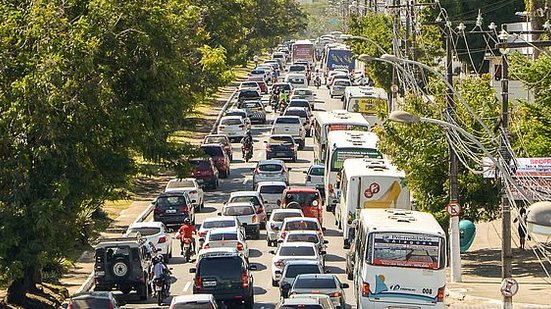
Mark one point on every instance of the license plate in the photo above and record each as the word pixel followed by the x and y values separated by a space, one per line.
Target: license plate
pixel 170 211
pixel 209 283
pixel 100 273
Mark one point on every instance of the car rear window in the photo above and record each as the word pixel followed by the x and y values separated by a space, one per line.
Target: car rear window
pixel 238 211
pixel 231 121
pixel 296 112
pixel 249 84
pixel 145 231
pixel 270 167
pixel 245 199
pixel 342 82
pixel 281 140
pixel 317 171
pixel 280 216
pixel 249 94
pixel 303 198
pixel 291 120
pixel 296 80
pixel 295 270
pixel 200 163
pixel 236 113
pixel 171 201
pixel 192 305
pixel 315 283
pixel 296 251
pixel 301 225
pixel 301 307
pixel 215 140
pixel 303 237
pixel 180 184
pixel 222 236
pixel 299 104
pixel 218 224
pixel 90 303
pixel 296 68
pixel 213 151
pixel 220 267
pixel 272 189
pixel 258 72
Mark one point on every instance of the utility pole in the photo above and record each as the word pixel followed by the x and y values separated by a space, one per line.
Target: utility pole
pixel 395 48
pixel 455 253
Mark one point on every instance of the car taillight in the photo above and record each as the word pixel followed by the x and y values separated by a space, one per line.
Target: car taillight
pixel 157 210
pixel 202 234
pixel 193 192
pixel 206 246
pixel 260 210
pixel 221 127
pixel 441 293
pixel 282 234
pixel 198 282
pixel 241 126
pixel 254 219
pixel 278 263
pixel 330 188
pixel 184 209
pixel 240 246
pixel 244 280
pixel 162 239
pixel 365 289
pixel 336 294
pixel 110 306
pixel 257 171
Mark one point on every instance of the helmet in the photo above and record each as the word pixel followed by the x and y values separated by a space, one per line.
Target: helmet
pixel 187 221
pixel 156 260
pixel 249 132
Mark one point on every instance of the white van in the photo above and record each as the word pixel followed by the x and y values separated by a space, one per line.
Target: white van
pixel 297 80
pixel 368 183
pixel 400 260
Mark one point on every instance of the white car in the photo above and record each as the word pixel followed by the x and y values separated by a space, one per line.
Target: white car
pixel 301 103
pixel 157 233
pixel 337 87
pixel 233 126
pixel 292 251
pixel 216 223
pixel 302 113
pixel 246 214
pixel 272 194
pixel 300 224
pixel 314 176
pixel 270 170
pixel 194 301
pixel 298 80
pixel 250 84
pixel 306 236
pixel 229 237
pixel 255 199
pixel 275 221
pixel 332 75
pixel 290 125
pixel 240 113
pixel 189 185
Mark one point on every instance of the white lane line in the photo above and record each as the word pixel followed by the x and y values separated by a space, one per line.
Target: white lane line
pixel 187 286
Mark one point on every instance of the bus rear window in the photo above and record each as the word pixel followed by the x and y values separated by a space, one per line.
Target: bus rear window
pixel 341 154
pixel 406 250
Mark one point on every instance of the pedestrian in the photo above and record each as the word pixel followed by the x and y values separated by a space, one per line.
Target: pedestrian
pixel 521 226
pixel 255 59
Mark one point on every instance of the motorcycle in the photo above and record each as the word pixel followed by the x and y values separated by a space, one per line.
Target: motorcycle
pixel 274 102
pixel 317 82
pixel 247 153
pixel 282 107
pixel 161 290
pixel 186 249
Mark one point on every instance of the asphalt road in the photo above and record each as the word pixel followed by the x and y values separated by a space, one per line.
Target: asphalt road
pixel 240 179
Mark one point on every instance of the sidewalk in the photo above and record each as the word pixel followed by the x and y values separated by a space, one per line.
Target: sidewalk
pixel 481 274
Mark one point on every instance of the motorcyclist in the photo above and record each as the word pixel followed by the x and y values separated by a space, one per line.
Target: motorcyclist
pixel 317 78
pixel 247 142
pixel 186 231
pixel 161 272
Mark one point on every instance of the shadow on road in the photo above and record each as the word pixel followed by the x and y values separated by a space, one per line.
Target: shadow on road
pixel 254 253
pixel 334 258
pixel 486 263
pixel 332 233
pixel 334 270
pixel 259 290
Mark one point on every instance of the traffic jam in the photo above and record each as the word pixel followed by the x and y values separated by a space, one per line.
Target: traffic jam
pixel 292 205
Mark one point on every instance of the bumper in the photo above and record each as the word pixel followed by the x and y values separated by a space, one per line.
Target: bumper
pixel 281 154
pixel 171 220
pixel 233 134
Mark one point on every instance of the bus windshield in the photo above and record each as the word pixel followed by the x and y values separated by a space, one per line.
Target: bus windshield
pixel 339 155
pixel 405 250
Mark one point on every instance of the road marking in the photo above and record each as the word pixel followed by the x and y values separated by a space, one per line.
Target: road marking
pixel 247 178
pixel 187 286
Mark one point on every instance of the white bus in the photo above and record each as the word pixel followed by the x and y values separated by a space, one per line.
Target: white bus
pixel 400 260
pixel 336 120
pixel 342 145
pixel 368 183
pixel 365 100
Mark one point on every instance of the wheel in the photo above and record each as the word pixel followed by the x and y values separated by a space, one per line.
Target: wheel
pixel 160 297
pixel 262 225
pixel 274 282
pixel 294 159
pixel 143 291
pixel 125 289
pixel 249 304
pixel 349 275
pixel 166 258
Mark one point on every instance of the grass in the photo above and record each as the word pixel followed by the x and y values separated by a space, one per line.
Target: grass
pixel 114 208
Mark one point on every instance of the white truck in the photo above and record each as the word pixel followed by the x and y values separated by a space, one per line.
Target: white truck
pixel 365 184
pixel 290 125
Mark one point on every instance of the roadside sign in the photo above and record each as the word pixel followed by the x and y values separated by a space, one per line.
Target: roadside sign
pixel 453 209
pixel 509 287
pixel 394 88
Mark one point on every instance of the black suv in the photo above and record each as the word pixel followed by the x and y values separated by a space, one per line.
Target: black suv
pixel 248 94
pixel 123 264
pixel 172 208
pixel 225 275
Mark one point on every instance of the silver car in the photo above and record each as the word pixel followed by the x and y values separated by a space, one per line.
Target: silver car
pixel 270 170
pixel 271 192
pixel 274 223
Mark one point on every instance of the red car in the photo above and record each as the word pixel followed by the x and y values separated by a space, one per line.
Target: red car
pixel 261 82
pixel 205 172
pixel 220 158
pixel 308 199
pixel 221 139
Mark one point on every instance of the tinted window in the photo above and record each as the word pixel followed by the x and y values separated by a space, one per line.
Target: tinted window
pixel 236 113
pixel 146 231
pixel 223 236
pixel 238 211
pixel 250 105
pixel 281 140
pixel 300 113
pixel 317 171
pixel 220 267
pixel 215 140
pixel 287 120
pixel 249 94
pixel 180 184
pixel 315 283
pixel 272 189
pixel 342 82
pixel 231 121
pixel 301 225
pixel 168 201
pixel 295 270
pixel 296 68
pixel 303 237
pixel 299 104
pixel 303 198
pixel 249 84
pixel 213 151
pixel 200 164
pixel 279 217
pixel 297 80
pixel 257 72
pixel 297 251
pixel 270 167
pixel 193 305
pixel 218 224
pixel 246 199
pixel 90 303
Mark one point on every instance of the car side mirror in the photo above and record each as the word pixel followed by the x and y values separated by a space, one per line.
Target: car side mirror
pixel 279 241
pixel 192 270
pixel 253 267
pixel 344 285
pixel 326 241
pixel 219 213
pixel 159 250
pixel 272 252
pixel 305 172
pixel 324 229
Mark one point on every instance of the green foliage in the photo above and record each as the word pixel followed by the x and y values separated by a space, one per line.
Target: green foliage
pixel 421 150
pixel 531 123
pixel 322 19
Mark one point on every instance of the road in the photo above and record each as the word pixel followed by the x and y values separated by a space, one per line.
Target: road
pixel 240 179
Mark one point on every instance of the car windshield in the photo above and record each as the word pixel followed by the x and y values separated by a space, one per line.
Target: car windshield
pixel 171 201
pixel 281 140
pixel 238 211
pixel 218 224
pixel 145 231
pixel 288 120
pixel 270 167
pixel 280 216
pixel 295 270
pixel 225 267
pixel 180 184
pixel 303 198
pixel 90 302
pixel 296 251
pixel 232 122
pixel 296 112
pixel 245 199
pixel 313 238
pixel 222 236
pixel 317 171
pixel 192 305
pixel 272 189
pixel 213 151
pixel 315 283
pixel 215 140
pixel 301 225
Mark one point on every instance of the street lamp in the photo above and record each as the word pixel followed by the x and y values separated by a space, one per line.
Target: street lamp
pixel 362 38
